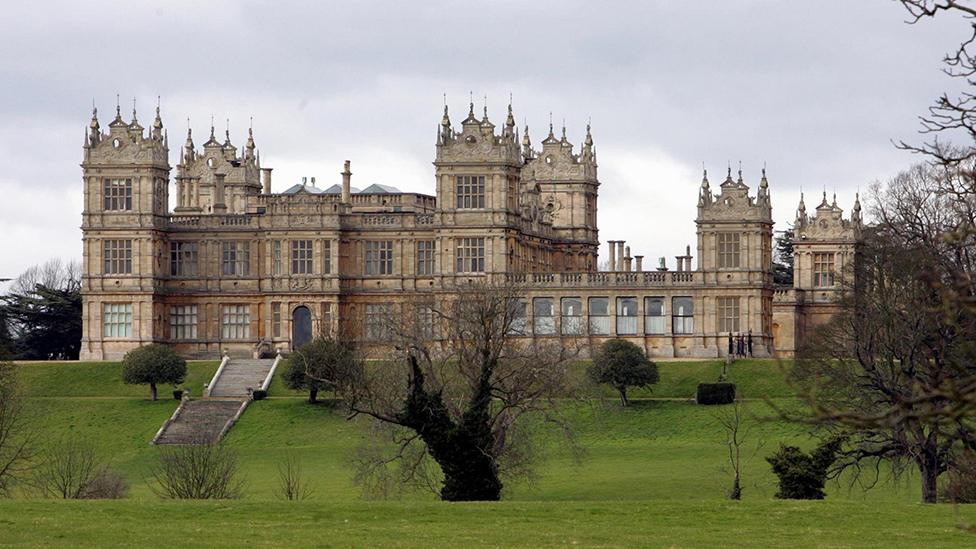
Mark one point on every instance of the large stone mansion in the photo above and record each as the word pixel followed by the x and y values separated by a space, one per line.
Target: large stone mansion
pixel 236 268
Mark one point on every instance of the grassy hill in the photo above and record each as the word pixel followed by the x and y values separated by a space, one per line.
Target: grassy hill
pixel 651 474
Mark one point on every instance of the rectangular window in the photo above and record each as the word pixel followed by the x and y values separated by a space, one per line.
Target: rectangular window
pixel 183 322
pixel 425 321
pixel 519 323
pixel 543 316
pixel 326 257
pixel 276 257
pixel 683 315
pixel 626 315
pixel 183 258
pixel 301 257
pixel 654 315
pixel 470 191
pixel 236 258
pixel 118 256
pixel 379 257
pixel 728 314
pixel 425 257
pixel 470 255
pixel 235 321
pixel 823 270
pixel 728 250
pixel 118 194
pixel 327 319
pixel 276 319
pixel 117 320
pixel 599 315
pixel 378 321
pixel 572 315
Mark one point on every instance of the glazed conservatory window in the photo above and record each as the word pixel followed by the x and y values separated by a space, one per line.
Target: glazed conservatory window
pixel 654 315
pixel 599 315
pixel 543 317
pixel 572 315
pixel 626 315
pixel 683 315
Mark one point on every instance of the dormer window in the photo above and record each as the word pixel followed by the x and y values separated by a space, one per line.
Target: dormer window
pixel 117 195
pixel 210 162
pixel 116 142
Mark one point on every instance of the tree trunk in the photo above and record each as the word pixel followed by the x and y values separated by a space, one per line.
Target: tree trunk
pixel 152 389
pixel 313 396
pixel 736 492
pixel 929 471
pixel 623 395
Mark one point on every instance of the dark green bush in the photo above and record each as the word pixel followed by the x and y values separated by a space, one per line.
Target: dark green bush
pixel 802 475
pixel 715 393
pixel 177 394
pixel 259 394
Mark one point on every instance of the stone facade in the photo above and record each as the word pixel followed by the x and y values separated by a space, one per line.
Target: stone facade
pixel 236 268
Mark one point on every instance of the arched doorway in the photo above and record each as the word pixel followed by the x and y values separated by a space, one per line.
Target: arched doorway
pixel 301 327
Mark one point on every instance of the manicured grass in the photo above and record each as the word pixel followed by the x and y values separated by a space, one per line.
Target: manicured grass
pixel 651 474
pixel 506 524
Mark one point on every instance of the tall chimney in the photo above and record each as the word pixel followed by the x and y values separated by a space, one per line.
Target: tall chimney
pixel 620 254
pixel 266 179
pixel 627 259
pixel 640 262
pixel 346 184
pixel 612 266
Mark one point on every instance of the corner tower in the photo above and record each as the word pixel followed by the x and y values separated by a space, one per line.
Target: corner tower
pixel 126 178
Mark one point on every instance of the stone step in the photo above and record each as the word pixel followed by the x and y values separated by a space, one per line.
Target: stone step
pixel 238 375
pixel 200 422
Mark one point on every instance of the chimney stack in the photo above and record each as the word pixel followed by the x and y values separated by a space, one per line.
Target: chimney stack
pixel 612 266
pixel 346 184
pixel 627 259
pixel 620 254
pixel 266 179
pixel 640 263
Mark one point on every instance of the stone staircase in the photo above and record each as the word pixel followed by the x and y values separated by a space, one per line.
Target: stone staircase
pixel 238 375
pixel 206 420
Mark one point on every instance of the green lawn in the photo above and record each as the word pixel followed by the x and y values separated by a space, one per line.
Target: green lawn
pixel 651 474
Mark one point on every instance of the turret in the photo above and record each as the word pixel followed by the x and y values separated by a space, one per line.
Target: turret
pixel 734 231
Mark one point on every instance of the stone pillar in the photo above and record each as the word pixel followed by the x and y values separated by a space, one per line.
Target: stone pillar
pixel 639 259
pixel 266 179
pixel 613 262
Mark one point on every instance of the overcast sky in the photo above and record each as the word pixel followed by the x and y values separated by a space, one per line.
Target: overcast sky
pixel 814 89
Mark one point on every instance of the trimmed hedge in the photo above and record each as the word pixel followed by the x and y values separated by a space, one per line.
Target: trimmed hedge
pixel 715 393
pixel 259 394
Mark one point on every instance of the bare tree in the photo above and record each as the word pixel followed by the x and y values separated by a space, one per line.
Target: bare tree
pixel 739 432
pixel 72 469
pixel 466 382
pixel 196 471
pixel 16 435
pixel 895 371
pixel 292 482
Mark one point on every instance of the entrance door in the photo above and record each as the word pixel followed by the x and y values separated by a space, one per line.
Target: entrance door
pixel 301 327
